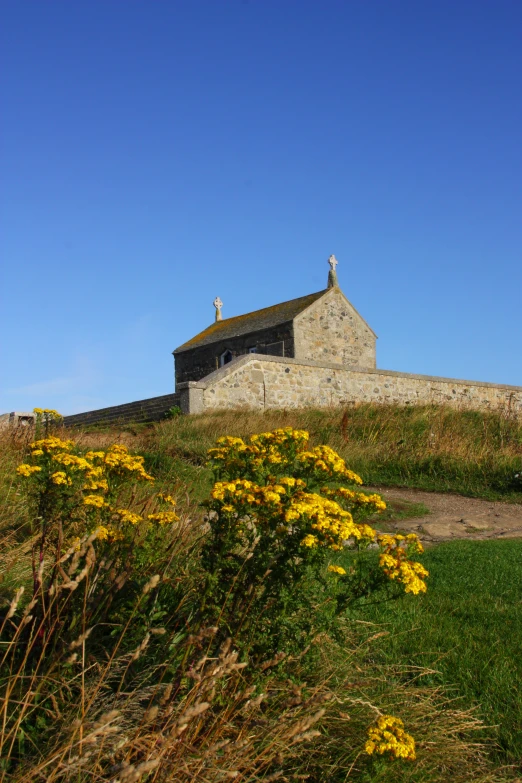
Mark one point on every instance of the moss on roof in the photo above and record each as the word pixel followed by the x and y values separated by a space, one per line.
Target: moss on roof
pixel 251 322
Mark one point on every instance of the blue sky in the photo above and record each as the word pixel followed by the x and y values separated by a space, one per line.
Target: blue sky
pixel 157 154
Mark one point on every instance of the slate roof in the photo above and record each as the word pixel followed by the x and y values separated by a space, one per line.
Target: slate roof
pixel 251 322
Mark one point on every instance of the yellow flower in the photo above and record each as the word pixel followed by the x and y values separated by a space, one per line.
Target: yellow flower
pixel 326 460
pixel 309 540
pixel 94 500
pixel 94 485
pixel 335 569
pixel 387 735
pixel 60 477
pixel 227 507
pixel 163 517
pixel 167 499
pixel 95 473
pixel 118 460
pixel 128 516
pixel 271 497
pixel 105 533
pixel 93 455
pixel 49 412
pixel 27 470
pixel 37 453
pixel 396 565
pixel 76 543
pixel 72 461
pixel 52 444
pixel 119 448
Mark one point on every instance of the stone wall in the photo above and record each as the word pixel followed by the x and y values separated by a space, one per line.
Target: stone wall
pixel 152 409
pixel 331 330
pixel 273 382
pixel 195 363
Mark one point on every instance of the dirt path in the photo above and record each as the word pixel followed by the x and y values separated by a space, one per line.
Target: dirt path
pixel 455 516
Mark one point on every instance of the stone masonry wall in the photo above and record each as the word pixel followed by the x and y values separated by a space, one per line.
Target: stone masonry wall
pixel 195 363
pixel 331 330
pixel 153 409
pixel 275 382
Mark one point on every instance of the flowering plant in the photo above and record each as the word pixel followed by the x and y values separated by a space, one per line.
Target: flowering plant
pixel 279 512
pixel 387 736
pixel 77 495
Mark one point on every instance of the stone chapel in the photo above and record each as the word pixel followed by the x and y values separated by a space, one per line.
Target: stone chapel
pixel 322 327
pixel 313 351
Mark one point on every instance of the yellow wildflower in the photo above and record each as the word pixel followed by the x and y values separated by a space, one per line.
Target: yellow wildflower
pixel 76 542
pixel 94 500
pixel 119 448
pixel 118 460
pixel 49 412
pixel 94 455
pixel 94 485
pixel 128 516
pixel 163 517
pixel 387 735
pixel 52 444
pixel 60 477
pixel 335 569
pixel 27 470
pixel 326 460
pixel 271 497
pixel 167 499
pixel 396 565
pixel 72 461
pixel 309 540
pixel 108 533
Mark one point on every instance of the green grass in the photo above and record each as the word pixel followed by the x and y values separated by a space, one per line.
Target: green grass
pixel 467 629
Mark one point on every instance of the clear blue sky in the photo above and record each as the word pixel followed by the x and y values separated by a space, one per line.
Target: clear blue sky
pixel 157 154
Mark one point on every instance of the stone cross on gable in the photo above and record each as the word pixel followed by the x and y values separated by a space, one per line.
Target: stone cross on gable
pixel 218 304
pixel 332 274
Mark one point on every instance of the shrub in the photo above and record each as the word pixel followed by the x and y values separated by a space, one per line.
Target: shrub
pixel 278 514
pixel 173 412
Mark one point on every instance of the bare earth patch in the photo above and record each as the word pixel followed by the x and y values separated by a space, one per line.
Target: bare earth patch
pixel 455 516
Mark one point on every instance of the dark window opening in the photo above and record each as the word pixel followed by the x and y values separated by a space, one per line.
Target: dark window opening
pixel 225 358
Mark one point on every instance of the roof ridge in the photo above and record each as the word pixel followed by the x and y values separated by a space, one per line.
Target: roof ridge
pixel 218 330
pixel 279 304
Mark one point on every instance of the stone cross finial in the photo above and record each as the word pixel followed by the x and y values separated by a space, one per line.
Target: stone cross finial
pixel 332 274
pixel 218 304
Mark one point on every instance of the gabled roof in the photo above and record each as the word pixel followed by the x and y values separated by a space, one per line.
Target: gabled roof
pixel 251 322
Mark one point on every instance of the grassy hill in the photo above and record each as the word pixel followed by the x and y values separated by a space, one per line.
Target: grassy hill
pixel 121 677
pixel 478 454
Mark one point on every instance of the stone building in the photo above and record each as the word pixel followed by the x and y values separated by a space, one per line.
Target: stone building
pixel 312 351
pixel 321 327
